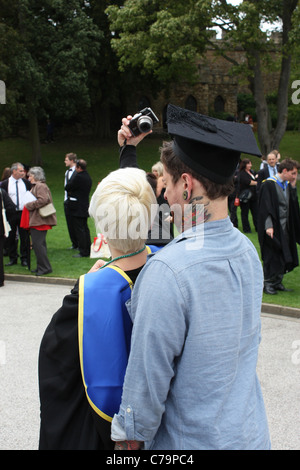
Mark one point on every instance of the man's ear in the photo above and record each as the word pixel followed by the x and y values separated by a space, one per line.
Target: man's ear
pixel 187 184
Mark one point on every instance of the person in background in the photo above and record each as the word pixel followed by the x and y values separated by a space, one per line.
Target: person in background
pixel 39 225
pixel 269 169
pixel 10 209
pixel 247 181
pixel 5 174
pixel 162 229
pixel 157 169
pixel 70 162
pixel 232 199
pixel 84 350
pixel 277 155
pixel 263 162
pixel 78 189
pixel 16 186
pixel 279 225
pixel 191 379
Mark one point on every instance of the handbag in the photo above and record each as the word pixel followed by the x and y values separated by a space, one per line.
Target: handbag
pixel 245 196
pixel 100 248
pixel 47 210
pixel 24 223
pixel 6 226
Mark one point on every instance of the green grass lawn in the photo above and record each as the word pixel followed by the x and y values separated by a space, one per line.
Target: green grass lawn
pixel 103 157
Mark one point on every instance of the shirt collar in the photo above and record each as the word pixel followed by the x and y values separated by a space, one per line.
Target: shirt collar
pixel 222 225
pixel 279 179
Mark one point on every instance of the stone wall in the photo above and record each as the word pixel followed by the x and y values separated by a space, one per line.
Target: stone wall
pixel 216 90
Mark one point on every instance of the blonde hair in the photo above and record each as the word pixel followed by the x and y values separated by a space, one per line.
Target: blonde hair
pixel 121 209
pixel 158 166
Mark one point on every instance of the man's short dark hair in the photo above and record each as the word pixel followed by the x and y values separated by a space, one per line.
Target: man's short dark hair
pixel 287 164
pixel 72 156
pixel 176 168
pixel 81 164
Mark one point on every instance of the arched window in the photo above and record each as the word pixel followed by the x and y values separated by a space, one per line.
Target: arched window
pixel 219 104
pixel 191 103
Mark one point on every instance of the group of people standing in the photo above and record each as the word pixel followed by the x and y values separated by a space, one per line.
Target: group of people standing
pixel 189 348
pixel 247 183
pixel 159 352
pixel 27 224
pixel 279 252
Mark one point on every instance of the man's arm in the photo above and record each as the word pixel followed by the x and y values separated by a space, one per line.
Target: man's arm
pixel 128 143
pixel 148 376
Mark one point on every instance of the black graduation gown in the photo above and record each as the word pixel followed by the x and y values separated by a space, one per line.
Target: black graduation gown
pixel 67 420
pixel 279 253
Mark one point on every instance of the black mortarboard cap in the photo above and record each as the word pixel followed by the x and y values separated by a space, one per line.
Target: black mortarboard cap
pixel 211 147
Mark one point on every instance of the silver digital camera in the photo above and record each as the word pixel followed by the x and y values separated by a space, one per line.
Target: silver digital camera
pixel 142 122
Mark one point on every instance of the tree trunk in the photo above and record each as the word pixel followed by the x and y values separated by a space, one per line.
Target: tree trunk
pixel 34 134
pixel 102 120
pixel 270 139
pixel 262 110
pixel 283 88
pixel 282 102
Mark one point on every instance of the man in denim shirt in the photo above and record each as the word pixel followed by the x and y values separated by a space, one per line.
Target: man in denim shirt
pixel 191 379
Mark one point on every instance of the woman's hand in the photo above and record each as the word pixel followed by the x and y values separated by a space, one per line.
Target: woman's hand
pixel 270 232
pixel 97 266
pixel 125 135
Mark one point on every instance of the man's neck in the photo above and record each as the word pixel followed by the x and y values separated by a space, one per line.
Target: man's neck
pixel 281 177
pixel 202 210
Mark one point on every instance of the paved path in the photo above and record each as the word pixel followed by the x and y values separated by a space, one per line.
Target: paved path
pixel 25 311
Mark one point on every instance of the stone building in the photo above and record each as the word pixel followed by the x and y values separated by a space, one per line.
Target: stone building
pixel 216 91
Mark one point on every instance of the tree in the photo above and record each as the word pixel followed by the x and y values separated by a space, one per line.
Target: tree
pixel 167 38
pixel 52 45
pixel 106 83
pixel 243 25
pixel 161 38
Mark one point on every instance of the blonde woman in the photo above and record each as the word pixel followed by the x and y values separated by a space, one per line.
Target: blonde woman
pixel 157 169
pixel 81 380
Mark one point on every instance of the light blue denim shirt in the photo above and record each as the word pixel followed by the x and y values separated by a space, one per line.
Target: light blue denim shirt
pixel 191 379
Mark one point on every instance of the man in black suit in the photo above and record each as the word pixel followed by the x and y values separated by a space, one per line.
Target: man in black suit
pixel 269 169
pixel 16 186
pixel 70 162
pixel 78 189
pixel 279 225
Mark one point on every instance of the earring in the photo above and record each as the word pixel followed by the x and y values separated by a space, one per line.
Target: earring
pixel 185 195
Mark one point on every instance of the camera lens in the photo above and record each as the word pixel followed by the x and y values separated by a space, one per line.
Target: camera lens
pixel 145 124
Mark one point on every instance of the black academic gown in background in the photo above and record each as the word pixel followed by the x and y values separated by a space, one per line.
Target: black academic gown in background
pixel 67 420
pixel 280 253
